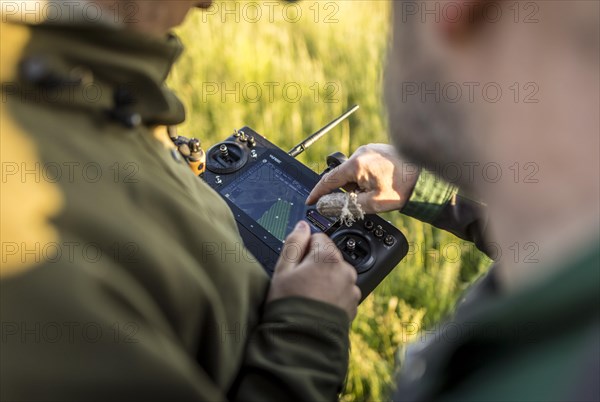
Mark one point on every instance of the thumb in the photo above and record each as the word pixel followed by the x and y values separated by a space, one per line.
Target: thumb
pixel 373 202
pixel 295 247
pixel 366 202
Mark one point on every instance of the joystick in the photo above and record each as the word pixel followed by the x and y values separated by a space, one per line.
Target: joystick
pixel 226 157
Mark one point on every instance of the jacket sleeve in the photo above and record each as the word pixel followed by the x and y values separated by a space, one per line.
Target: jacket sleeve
pixel 76 334
pixel 442 205
pixel 71 334
pixel 299 352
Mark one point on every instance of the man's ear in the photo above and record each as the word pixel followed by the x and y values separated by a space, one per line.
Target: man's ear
pixel 459 19
pixel 204 3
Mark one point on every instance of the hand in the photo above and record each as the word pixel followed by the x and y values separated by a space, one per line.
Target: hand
pixel 312 267
pixel 384 181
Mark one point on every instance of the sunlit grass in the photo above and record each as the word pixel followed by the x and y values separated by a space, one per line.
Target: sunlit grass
pixel 335 64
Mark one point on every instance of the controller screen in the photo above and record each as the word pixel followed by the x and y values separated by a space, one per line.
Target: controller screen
pixel 274 199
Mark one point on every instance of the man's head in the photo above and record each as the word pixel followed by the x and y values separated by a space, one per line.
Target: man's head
pixel 493 81
pixel 502 98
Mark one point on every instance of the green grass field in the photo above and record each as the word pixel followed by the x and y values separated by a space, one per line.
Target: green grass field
pixel 286 71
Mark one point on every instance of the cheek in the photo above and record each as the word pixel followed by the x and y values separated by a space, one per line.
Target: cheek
pixel 574 87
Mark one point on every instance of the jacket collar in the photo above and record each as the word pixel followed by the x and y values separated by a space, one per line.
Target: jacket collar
pixel 101 67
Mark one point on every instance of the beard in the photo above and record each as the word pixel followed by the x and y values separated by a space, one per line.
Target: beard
pixel 426 128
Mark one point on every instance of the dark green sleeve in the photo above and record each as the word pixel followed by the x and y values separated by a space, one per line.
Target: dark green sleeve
pixel 442 205
pixel 70 334
pixel 73 333
pixel 299 352
pixel 429 197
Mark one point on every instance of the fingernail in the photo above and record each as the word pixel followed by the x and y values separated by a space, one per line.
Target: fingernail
pixel 301 226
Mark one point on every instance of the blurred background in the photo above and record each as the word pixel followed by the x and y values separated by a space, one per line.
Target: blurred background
pixel 286 70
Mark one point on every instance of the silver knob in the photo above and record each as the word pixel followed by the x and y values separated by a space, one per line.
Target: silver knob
pixel 224 150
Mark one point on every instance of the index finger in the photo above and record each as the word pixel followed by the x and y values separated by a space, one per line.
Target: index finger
pixel 338 177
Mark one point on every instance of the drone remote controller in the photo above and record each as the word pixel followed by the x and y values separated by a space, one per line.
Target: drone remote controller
pixel 266 189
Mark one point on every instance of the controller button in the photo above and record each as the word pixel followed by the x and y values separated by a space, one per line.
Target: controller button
pixel 379 232
pixel 389 240
pixel 351 245
pixel 194 145
pixel 369 225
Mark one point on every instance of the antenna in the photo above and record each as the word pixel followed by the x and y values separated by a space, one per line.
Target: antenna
pixel 311 139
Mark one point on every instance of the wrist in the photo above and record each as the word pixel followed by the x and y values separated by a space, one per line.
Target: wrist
pixel 429 195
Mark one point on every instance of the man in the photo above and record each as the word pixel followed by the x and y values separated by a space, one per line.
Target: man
pixel 123 276
pixel 530 330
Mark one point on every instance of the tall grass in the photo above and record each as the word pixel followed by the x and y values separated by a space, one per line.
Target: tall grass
pixel 336 58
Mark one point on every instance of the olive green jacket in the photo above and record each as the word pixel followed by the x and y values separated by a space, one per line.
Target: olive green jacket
pixel 141 288
pixel 537 343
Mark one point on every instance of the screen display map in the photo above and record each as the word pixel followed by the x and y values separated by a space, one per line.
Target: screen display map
pixel 274 199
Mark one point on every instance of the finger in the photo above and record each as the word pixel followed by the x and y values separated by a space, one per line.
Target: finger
pixel 357 294
pixel 295 247
pixel 353 304
pixel 353 274
pixel 338 177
